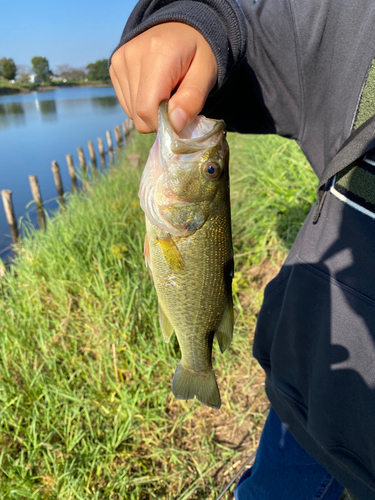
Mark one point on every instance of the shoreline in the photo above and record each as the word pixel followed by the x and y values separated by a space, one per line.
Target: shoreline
pixel 46 88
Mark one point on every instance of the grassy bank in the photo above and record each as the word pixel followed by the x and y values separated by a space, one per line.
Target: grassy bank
pixel 86 406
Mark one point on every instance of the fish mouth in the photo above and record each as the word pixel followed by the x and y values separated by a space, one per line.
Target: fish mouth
pixel 164 207
pixel 180 145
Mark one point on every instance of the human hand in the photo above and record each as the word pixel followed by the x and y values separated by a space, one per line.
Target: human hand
pixel 148 68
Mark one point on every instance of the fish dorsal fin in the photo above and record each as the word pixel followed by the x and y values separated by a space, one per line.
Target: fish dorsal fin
pixel 224 333
pixel 165 325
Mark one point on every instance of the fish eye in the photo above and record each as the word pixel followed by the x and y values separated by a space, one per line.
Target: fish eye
pixel 211 170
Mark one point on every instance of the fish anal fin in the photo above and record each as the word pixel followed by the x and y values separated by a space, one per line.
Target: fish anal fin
pixel 224 333
pixel 187 384
pixel 165 325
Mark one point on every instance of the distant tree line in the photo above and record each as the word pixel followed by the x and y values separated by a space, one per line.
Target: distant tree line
pixel 67 72
pixel 41 68
pixel 97 71
pixel 8 69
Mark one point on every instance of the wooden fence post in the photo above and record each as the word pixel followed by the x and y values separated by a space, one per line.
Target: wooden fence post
pixel 92 154
pixel 101 152
pixel 118 136
pixel 134 160
pixel 126 128
pixel 3 269
pixel 34 185
pixel 130 126
pixel 72 172
pixel 101 146
pixel 6 195
pixel 58 182
pixel 110 145
pixel 82 160
pixel 109 140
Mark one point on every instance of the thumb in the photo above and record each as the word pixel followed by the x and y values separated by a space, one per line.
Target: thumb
pixel 192 93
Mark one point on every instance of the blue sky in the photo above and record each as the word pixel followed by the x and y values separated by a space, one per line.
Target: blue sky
pixel 74 32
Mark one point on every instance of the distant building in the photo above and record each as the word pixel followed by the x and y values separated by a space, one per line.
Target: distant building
pixel 55 78
pixel 34 79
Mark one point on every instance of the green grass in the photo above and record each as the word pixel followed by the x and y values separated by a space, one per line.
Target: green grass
pixel 8 88
pixel 273 189
pixel 86 406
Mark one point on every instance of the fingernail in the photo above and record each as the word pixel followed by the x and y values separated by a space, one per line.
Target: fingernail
pixel 178 119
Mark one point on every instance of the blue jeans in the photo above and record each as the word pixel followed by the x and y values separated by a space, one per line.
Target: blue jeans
pixel 283 470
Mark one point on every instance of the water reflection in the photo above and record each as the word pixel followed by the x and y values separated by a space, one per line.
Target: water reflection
pixel 48 110
pixel 72 105
pixel 13 112
pixel 15 108
pixel 105 102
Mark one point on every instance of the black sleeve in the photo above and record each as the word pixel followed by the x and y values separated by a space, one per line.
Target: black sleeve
pixel 231 33
pixel 295 68
pixel 238 95
pixel 221 22
pixel 263 93
pixel 311 60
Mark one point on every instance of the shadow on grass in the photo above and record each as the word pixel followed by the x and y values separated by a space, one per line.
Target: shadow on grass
pixel 289 222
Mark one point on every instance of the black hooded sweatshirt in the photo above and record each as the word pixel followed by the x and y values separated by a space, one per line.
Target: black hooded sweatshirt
pixel 298 68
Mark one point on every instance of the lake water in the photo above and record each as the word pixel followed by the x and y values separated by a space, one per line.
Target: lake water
pixel 39 127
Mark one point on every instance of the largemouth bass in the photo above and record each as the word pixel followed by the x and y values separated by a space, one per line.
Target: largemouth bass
pixel 184 193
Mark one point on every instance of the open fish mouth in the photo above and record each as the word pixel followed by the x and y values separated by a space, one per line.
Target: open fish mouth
pixel 173 162
pixel 195 138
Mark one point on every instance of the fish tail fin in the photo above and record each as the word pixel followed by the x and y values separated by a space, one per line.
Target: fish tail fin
pixel 187 384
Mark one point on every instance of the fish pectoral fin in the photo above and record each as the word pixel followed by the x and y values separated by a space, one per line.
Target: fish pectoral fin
pixel 165 325
pixel 171 254
pixel 187 384
pixel 146 250
pixel 224 333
